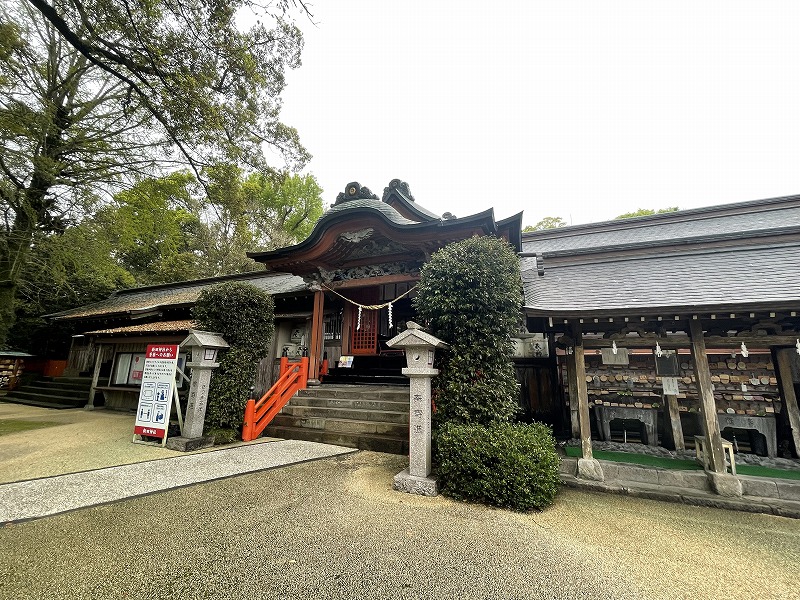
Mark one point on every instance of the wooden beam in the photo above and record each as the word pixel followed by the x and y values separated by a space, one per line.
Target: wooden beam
pixel 582 395
pixel 315 343
pixel 371 281
pixel 682 341
pixel 784 365
pixel 708 406
pixel 98 361
pixel 674 415
pixel 572 386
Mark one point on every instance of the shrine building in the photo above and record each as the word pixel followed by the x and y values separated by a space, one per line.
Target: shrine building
pixel 655 330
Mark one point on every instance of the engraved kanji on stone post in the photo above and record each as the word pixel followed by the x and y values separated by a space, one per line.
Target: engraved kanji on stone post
pixel 420 347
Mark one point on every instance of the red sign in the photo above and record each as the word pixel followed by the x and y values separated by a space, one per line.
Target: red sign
pixel 151 431
pixel 167 352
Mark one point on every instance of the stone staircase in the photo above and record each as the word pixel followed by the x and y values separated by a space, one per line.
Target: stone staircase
pixel 52 392
pixel 368 417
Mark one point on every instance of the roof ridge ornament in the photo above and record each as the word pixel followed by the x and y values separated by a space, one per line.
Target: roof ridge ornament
pixel 354 191
pixel 399 186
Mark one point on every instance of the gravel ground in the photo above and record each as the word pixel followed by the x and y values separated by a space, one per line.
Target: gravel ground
pixel 333 528
pixel 80 441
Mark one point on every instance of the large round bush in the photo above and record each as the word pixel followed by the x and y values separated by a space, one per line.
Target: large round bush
pixel 503 464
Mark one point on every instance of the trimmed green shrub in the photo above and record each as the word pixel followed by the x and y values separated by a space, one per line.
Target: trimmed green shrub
pixel 244 315
pixel 469 295
pixel 510 465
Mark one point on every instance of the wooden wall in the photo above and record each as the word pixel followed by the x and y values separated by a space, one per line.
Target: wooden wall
pixel 636 384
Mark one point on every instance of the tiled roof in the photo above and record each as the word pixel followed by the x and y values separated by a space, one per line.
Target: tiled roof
pixel 378 205
pixel 738 220
pixel 157 327
pixel 180 294
pixel 731 277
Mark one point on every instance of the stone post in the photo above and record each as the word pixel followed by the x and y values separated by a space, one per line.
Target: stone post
pixel 204 347
pixel 420 347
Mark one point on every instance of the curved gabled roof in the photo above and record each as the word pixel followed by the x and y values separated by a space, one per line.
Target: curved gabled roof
pixel 334 241
pixel 390 213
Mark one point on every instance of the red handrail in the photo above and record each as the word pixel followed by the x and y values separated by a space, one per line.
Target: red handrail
pixel 259 414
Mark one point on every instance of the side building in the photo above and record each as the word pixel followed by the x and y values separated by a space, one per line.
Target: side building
pixel 673 325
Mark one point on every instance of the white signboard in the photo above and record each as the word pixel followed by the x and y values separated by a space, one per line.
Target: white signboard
pixel 155 397
pixel 670 386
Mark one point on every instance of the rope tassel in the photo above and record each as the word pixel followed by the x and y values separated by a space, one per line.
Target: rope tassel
pixel 371 306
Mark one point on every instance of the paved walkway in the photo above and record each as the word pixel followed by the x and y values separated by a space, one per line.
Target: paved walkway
pixel 51 495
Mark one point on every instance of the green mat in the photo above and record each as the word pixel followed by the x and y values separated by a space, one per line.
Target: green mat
pixel 16 426
pixel 680 464
pixel 766 472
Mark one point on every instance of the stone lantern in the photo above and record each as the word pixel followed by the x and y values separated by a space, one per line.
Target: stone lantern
pixel 204 347
pixel 420 348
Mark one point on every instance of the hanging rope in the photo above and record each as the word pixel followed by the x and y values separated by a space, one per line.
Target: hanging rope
pixel 371 306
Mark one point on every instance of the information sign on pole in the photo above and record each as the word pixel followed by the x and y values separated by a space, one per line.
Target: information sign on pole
pixel 155 397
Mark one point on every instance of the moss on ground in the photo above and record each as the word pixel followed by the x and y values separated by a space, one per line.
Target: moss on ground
pixel 8 426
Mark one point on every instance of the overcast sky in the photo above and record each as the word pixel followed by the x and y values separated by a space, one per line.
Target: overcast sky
pixel 576 109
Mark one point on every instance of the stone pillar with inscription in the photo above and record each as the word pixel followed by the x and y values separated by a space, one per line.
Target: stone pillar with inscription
pixel 204 347
pixel 420 348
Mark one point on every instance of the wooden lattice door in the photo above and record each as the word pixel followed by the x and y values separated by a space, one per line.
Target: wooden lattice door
pixel 364 339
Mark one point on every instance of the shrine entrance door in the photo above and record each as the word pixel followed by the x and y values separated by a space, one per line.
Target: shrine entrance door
pixel 364 332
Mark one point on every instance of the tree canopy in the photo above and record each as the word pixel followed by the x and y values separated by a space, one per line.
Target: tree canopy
pixel 644 212
pixel 160 230
pixel 547 223
pixel 204 84
pixel 96 94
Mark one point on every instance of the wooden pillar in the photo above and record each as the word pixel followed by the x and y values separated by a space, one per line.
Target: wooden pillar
pixel 572 386
pixel 98 361
pixel 674 415
pixel 315 347
pixel 708 406
pixel 787 394
pixel 582 396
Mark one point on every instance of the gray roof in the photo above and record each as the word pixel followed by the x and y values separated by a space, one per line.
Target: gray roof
pixel 178 294
pixel 378 205
pixel 736 277
pixel 743 219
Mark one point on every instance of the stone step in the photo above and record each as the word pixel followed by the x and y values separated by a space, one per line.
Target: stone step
pixel 23 396
pixel 64 383
pixel 349 426
pixel 374 442
pixel 28 402
pixel 361 378
pixel 352 403
pixel 352 414
pixel 53 391
pixel 372 392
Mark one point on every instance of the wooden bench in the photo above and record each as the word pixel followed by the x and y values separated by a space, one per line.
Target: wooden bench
pixel 702 456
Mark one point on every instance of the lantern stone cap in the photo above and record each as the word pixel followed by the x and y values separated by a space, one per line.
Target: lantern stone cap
pixel 415 336
pixel 204 339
